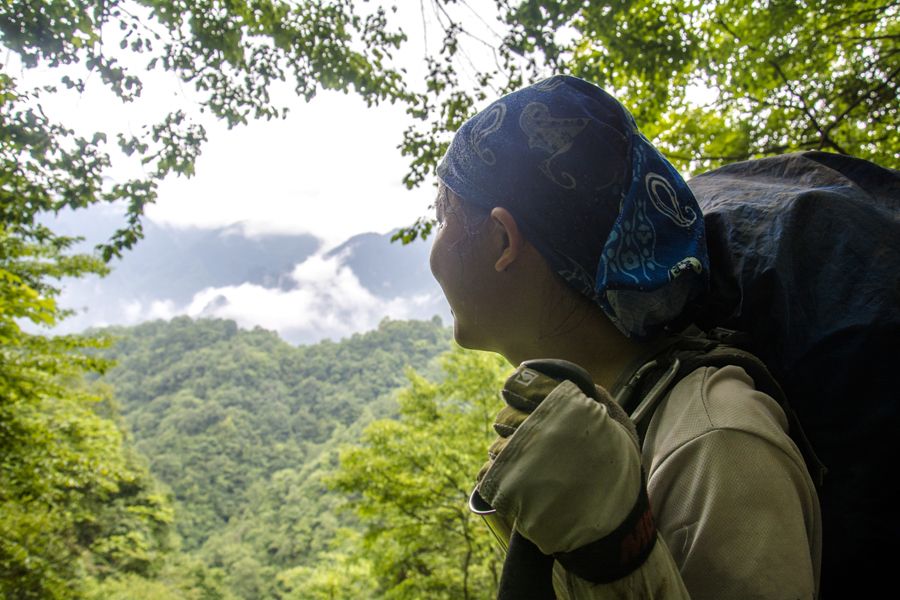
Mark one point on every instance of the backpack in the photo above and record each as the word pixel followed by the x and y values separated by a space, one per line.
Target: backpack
pixel 805 262
pixel 648 385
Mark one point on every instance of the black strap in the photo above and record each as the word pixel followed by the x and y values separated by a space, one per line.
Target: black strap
pixel 715 349
pixel 619 553
pixel 527 572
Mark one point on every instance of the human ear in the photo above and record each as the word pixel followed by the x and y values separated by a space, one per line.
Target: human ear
pixel 512 240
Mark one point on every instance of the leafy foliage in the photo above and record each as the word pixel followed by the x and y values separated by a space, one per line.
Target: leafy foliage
pixel 88 508
pixel 787 74
pixel 217 409
pixel 75 503
pixel 181 578
pixel 773 76
pixel 233 54
pixel 245 430
pixel 355 501
pixel 409 482
pixel 244 427
pixel 337 575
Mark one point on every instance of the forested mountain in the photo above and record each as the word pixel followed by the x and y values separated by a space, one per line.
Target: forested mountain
pixel 272 454
pixel 216 408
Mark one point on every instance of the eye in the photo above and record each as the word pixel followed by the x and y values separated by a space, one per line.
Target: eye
pixel 440 208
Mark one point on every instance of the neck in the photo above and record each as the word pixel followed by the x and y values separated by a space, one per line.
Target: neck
pixel 586 338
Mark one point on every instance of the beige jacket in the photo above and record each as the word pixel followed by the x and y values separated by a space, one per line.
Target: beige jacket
pixel 735 508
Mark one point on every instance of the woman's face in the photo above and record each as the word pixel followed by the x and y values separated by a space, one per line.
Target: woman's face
pixel 461 263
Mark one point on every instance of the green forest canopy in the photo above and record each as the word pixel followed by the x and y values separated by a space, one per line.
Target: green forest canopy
pixel 76 502
pixel 248 468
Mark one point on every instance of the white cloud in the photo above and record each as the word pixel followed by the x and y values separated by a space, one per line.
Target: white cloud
pixel 331 169
pixel 162 309
pixel 328 301
pixel 131 311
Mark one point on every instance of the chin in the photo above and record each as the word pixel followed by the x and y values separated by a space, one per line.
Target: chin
pixel 470 340
pixel 460 337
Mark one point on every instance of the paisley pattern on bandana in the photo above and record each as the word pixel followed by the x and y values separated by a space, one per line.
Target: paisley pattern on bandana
pixel 629 252
pixel 553 135
pixel 606 210
pixel 549 84
pixel 488 122
pixel 665 199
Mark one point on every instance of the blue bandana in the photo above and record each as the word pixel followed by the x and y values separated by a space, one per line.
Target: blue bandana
pixel 610 215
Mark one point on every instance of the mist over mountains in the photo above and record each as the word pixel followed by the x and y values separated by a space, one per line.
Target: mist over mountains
pixel 286 283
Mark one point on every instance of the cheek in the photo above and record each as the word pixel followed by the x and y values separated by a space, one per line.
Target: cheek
pixel 444 260
pixel 450 271
pixel 432 257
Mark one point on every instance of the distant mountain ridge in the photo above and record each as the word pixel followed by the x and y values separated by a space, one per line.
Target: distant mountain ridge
pixel 388 269
pixel 165 273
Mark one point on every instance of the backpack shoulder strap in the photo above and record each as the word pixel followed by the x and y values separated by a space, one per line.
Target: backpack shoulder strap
pixel 651 382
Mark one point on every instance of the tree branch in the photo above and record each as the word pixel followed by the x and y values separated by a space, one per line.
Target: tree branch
pixel 854 17
pixel 826 140
pixel 862 98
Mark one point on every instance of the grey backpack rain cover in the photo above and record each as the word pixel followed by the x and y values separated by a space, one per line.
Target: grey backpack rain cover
pixel 805 257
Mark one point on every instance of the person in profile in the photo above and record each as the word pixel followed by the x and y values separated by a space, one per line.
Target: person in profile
pixel 563 234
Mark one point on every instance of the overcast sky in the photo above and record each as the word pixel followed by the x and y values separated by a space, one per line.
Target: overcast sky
pixel 331 169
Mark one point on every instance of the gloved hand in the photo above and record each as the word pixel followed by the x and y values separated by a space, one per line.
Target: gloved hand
pixel 523 392
pixel 526 388
pixel 565 470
